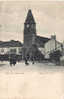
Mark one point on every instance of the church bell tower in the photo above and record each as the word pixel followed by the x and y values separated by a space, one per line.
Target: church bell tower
pixel 29 30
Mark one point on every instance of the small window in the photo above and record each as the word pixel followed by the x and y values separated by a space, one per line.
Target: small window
pixel 2 50
pixel 13 51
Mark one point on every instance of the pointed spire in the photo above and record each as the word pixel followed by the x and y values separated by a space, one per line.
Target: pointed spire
pixel 30 18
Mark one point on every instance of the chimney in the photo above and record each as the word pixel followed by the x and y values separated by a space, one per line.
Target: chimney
pixel 53 37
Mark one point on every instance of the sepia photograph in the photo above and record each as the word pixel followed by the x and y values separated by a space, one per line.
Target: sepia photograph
pixel 31 49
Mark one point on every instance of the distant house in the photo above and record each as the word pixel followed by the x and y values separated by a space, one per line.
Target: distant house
pixel 10 47
pixel 52 45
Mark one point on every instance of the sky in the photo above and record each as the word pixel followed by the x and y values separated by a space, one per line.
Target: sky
pixel 48 15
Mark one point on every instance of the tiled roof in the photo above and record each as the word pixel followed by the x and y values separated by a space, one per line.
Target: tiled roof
pixel 41 40
pixel 11 43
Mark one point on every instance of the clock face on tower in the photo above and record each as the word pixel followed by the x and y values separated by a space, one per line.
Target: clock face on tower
pixel 27 25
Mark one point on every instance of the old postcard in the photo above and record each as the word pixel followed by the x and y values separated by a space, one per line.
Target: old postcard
pixel 31 49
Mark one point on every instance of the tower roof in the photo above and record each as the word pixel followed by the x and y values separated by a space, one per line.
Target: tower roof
pixel 30 18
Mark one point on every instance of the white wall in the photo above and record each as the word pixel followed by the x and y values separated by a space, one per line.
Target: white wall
pixel 50 46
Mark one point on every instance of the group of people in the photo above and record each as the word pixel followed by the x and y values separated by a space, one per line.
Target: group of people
pixel 13 60
pixel 26 61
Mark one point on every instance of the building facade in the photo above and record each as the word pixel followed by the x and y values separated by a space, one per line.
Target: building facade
pixel 51 46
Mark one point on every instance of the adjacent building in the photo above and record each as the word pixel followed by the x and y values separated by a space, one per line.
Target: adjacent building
pixel 51 46
pixel 10 47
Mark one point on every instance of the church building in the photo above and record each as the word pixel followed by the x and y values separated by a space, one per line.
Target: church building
pixel 30 36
